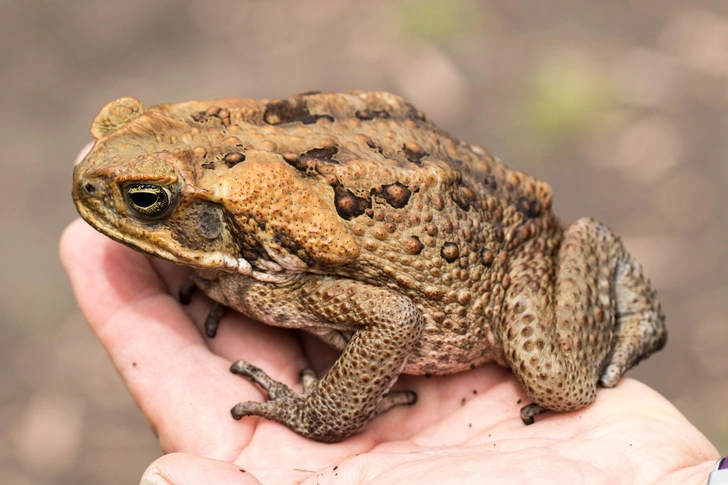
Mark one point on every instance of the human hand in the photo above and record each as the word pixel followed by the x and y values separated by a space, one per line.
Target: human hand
pixel 464 427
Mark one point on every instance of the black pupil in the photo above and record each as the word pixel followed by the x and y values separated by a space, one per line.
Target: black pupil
pixel 144 199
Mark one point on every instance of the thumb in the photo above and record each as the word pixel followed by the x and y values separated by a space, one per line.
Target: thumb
pixel 186 469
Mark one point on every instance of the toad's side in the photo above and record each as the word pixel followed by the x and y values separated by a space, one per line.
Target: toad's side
pixel 351 216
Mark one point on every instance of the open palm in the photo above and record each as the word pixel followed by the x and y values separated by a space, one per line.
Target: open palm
pixel 465 428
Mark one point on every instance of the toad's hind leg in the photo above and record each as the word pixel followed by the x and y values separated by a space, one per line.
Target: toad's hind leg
pixel 597 318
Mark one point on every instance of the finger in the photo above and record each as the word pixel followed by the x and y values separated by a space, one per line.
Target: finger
pixel 182 387
pixel 84 151
pixel 185 469
pixel 105 276
pixel 274 349
pixel 185 390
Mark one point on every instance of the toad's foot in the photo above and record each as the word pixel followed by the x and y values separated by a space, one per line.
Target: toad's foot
pixel 294 409
pixel 186 290
pixel 217 310
pixel 212 322
pixel 529 411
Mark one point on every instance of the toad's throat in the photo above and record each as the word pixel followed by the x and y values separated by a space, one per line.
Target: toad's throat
pixel 264 270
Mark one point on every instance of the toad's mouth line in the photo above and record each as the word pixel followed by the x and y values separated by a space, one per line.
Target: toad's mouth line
pixel 209 260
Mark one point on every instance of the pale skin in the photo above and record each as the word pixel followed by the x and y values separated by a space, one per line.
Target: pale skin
pixel 465 428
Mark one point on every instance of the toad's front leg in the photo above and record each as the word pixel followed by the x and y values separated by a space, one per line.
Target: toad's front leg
pixel 386 324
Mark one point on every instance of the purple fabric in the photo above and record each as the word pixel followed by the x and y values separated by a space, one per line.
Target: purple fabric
pixel 723 464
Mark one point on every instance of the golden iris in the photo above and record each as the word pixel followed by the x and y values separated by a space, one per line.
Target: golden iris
pixel 148 199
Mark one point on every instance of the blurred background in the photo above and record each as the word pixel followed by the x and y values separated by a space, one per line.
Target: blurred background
pixel 621 106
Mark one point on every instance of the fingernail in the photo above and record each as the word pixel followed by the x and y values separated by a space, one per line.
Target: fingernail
pixel 153 479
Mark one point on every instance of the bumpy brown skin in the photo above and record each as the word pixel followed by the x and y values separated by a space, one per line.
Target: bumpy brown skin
pixel 351 216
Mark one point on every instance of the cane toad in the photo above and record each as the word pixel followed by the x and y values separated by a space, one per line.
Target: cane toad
pixel 352 216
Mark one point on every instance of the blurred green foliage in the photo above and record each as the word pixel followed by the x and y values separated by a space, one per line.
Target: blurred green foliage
pixel 566 93
pixel 438 20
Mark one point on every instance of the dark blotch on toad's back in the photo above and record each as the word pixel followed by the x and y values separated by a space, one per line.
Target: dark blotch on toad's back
pixel 348 205
pixel 397 195
pixel 292 110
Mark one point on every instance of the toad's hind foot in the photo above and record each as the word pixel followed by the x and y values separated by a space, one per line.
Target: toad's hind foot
pixel 396 398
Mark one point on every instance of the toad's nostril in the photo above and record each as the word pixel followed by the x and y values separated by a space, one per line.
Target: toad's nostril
pixel 89 188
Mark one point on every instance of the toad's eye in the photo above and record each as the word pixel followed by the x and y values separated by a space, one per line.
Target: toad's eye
pixel 148 200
